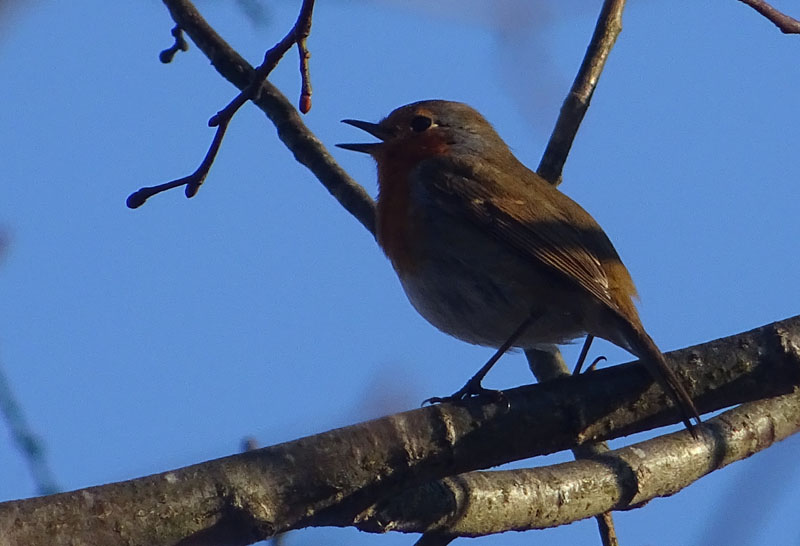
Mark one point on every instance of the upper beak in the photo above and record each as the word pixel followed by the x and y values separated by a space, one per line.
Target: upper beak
pixel 375 129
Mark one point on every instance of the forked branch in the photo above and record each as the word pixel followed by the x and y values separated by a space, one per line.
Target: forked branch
pixel 297 35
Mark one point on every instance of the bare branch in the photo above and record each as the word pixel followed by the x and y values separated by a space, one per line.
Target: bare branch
pixel 192 181
pixel 786 24
pixel 297 35
pixel 180 44
pixel 333 477
pixel 608 533
pixel 27 442
pixel 482 503
pixel 609 25
pixel 301 38
pixel 305 146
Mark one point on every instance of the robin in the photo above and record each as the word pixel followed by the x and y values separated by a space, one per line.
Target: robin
pixel 490 252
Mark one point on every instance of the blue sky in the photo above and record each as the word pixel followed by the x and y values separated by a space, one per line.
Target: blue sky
pixel 138 341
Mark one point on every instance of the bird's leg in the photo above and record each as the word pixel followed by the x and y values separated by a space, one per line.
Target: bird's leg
pixel 473 387
pixel 584 351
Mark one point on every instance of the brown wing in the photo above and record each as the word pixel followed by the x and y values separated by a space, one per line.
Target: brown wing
pixel 525 212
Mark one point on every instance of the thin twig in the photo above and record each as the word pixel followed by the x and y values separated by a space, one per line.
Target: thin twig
pixel 192 182
pixel 298 138
pixel 28 443
pixel 608 534
pixel 299 33
pixel 303 32
pixel 609 25
pixel 20 432
pixel 180 44
pixel 786 24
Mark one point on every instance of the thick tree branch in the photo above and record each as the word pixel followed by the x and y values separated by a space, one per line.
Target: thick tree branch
pixel 333 477
pixel 482 503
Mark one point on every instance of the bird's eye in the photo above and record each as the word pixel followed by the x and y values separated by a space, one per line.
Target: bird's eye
pixel 421 123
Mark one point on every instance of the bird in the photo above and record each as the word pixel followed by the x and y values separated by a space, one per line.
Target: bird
pixel 491 253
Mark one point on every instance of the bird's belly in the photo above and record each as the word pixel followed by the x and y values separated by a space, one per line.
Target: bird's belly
pixel 485 303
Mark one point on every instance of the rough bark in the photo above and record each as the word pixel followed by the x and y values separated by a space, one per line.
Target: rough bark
pixel 334 477
pixel 481 503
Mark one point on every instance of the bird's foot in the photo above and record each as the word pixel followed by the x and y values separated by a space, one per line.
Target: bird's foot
pixel 472 389
pixel 594 363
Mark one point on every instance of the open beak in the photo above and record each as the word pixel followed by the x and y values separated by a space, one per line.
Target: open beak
pixel 375 129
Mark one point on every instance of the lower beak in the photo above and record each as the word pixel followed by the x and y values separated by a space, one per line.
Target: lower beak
pixel 375 129
pixel 364 148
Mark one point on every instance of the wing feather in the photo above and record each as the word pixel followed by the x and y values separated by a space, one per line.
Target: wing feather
pixel 522 210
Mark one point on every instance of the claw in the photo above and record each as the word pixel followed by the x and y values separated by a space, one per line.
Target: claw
pixel 595 362
pixel 433 400
pixel 470 390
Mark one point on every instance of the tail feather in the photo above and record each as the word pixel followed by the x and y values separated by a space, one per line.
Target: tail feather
pixel 643 346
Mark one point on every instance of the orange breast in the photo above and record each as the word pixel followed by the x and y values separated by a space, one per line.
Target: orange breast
pixel 394 227
pixel 397 229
